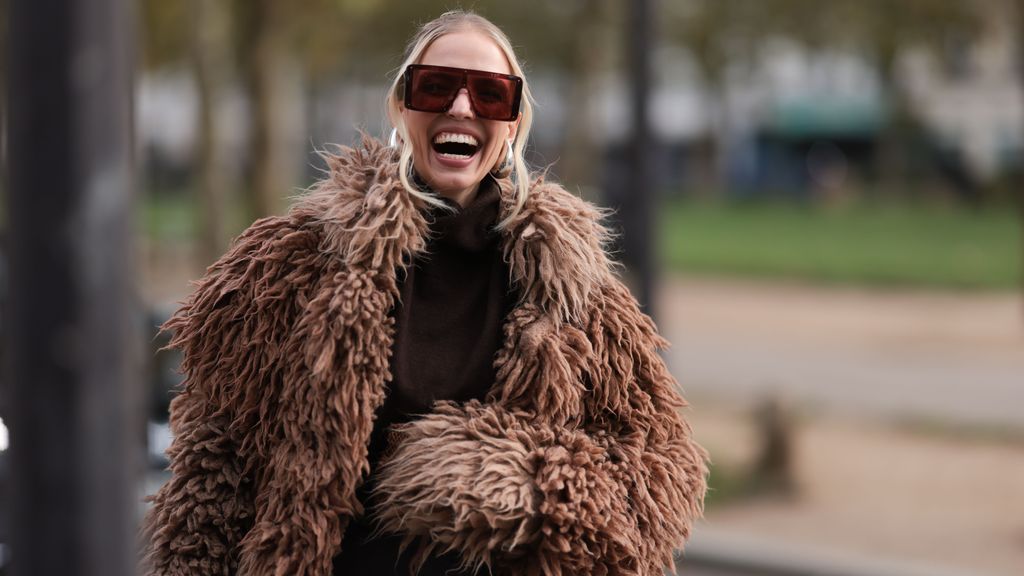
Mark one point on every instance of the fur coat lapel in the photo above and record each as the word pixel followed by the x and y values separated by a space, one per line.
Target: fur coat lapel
pixel 555 245
pixel 285 346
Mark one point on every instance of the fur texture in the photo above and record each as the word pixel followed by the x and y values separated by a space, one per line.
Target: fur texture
pixel 579 462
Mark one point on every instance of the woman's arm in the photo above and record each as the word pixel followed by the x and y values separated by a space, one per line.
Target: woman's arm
pixel 535 499
pixel 611 489
pixel 201 514
pixel 248 493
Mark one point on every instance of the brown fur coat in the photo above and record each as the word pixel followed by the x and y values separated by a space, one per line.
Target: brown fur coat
pixel 579 461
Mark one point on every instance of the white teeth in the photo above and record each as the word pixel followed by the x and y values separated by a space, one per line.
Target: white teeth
pixel 445 137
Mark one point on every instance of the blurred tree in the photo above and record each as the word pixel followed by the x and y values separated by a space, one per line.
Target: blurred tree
pixel 164 33
pixel 211 60
pixel 1018 6
pixel 567 45
pixel 198 33
pixel 323 32
pixel 575 44
pixel 722 36
pixel 267 36
pixel 321 39
pixel 725 35
pixel 264 29
pixel 588 58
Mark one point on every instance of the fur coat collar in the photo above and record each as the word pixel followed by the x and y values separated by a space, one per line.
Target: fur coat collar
pixel 578 462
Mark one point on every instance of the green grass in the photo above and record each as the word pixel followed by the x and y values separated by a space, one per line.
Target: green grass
pixel 731 484
pixel 168 217
pixel 902 245
pixel 725 485
pixel 174 217
pixel 895 245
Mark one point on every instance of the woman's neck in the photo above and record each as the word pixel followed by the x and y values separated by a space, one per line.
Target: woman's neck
pixel 462 197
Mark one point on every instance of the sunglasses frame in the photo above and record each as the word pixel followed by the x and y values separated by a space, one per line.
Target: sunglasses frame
pixel 466 73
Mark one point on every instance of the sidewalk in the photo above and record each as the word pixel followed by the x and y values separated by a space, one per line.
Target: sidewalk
pixel 949 358
pixel 722 553
pixel 874 493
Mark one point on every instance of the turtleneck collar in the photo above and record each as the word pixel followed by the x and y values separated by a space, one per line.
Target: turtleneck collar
pixel 469 227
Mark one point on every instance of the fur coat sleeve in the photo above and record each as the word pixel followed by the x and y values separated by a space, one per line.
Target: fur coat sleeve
pixel 612 492
pixel 284 353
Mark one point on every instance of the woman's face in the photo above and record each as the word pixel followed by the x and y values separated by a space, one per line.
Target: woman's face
pixel 457 177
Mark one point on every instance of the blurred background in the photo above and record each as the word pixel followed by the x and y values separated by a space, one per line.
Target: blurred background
pixel 836 255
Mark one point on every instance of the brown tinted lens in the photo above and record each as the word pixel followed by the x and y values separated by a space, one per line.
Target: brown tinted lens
pixel 493 98
pixel 433 90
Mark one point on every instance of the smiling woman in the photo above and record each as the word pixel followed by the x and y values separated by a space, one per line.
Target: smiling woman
pixel 456 108
pixel 427 364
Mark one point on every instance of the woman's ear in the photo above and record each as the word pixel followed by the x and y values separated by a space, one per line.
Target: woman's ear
pixel 513 127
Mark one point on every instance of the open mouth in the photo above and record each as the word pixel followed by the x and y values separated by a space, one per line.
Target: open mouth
pixel 455 146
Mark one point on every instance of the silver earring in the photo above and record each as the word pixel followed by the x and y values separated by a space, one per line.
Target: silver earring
pixel 506 166
pixel 393 139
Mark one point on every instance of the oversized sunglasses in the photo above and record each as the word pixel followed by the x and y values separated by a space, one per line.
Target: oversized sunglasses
pixel 493 96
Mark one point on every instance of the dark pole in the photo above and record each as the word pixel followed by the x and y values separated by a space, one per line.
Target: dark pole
pixel 637 202
pixel 75 438
pixel 1020 171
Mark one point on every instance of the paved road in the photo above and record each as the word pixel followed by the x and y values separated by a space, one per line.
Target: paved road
pixel 685 570
pixel 956 358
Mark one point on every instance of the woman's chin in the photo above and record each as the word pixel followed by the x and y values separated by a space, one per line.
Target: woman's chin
pixel 454 174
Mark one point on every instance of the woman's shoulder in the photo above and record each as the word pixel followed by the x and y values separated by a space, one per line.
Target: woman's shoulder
pixel 361 209
pixel 558 249
pixel 356 208
pixel 355 178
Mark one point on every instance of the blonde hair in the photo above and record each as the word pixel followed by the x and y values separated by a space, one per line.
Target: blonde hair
pixel 447 23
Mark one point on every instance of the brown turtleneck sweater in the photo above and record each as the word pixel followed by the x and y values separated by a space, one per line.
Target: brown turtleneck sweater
pixel 454 299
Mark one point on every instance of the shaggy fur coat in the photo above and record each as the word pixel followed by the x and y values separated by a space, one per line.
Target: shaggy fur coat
pixel 578 462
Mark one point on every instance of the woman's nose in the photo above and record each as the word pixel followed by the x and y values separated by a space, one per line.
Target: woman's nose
pixel 461 106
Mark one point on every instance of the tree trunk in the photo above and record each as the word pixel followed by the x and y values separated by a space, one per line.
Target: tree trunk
pixel 579 150
pixel 267 105
pixel 723 145
pixel 894 166
pixel 1020 183
pixel 210 58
